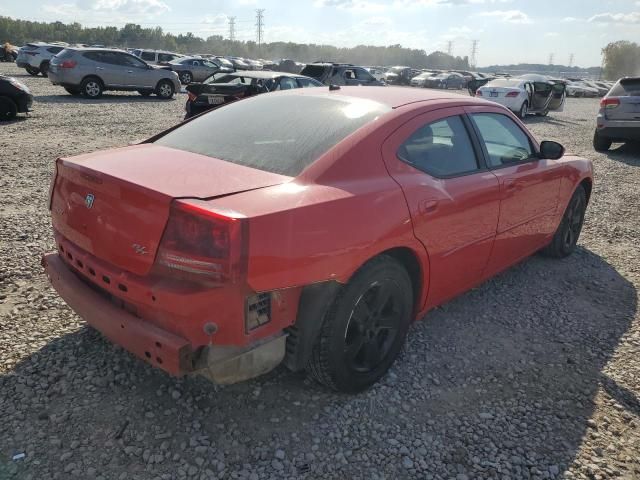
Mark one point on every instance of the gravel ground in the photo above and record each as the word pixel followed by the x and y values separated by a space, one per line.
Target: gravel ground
pixel 535 374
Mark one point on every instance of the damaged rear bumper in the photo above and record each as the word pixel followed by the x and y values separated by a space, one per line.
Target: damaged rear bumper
pixel 156 346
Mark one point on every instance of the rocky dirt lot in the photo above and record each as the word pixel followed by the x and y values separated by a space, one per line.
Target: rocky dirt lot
pixel 536 374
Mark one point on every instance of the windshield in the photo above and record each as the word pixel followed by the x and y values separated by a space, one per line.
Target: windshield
pixel 274 132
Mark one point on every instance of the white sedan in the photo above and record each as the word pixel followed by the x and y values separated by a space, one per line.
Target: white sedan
pixel 530 94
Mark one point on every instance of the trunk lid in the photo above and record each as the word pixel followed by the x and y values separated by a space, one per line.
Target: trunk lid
pixel 628 110
pixel 115 204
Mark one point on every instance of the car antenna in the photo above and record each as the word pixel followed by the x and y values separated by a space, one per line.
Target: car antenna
pixel 333 87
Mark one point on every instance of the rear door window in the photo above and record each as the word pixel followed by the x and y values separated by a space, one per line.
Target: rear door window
pixel 275 133
pixel 505 141
pixel 148 56
pixel 441 148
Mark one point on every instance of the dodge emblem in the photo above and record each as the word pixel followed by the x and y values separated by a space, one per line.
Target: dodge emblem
pixel 88 200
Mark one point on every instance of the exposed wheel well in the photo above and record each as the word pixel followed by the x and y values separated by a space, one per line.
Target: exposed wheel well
pixel 587 185
pixel 410 262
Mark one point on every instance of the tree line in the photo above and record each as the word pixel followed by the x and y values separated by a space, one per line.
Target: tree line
pixel 19 32
pixel 621 59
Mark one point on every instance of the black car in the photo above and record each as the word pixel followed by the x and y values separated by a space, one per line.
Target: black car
pixel 400 75
pixel 339 74
pixel 224 88
pixel 446 80
pixel 15 98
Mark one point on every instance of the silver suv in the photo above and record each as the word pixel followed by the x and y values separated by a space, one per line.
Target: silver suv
pixel 91 71
pixel 619 117
pixel 35 57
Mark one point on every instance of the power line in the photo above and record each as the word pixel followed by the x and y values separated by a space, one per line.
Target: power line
pixel 232 28
pixel 474 53
pixel 259 25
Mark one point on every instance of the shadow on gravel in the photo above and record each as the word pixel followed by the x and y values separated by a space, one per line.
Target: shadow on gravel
pixel 628 153
pixel 497 383
pixel 534 119
pixel 106 98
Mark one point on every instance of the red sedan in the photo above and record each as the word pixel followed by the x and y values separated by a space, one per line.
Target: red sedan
pixel 308 227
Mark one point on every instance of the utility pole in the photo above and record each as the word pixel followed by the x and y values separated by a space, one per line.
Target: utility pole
pixel 259 25
pixel 450 47
pixel 551 59
pixel 474 53
pixel 232 28
pixel 571 60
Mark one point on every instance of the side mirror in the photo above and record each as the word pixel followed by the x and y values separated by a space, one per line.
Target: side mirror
pixel 551 150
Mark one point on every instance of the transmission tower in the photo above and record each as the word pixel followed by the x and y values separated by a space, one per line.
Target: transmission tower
pixel 474 53
pixel 232 28
pixel 571 60
pixel 449 47
pixel 259 25
pixel 551 59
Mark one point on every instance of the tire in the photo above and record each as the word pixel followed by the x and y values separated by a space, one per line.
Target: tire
pixel 44 69
pixel 524 109
pixel 185 78
pixel 354 349
pixel 145 93
pixel 566 237
pixel 91 87
pixel 8 109
pixel 165 89
pixel 32 70
pixel 601 144
pixel 72 90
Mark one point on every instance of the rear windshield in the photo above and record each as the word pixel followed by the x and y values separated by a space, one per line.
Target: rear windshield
pixel 626 88
pixel 64 54
pixel 504 83
pixel 281 134
pixel 315 71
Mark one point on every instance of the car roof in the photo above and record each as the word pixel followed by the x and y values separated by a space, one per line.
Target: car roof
pixel 393 97
pixel 264 74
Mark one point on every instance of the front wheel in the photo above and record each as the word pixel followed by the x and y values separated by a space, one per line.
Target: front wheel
pixel 91 88
pixel 365 327
pixel 8 109
pixel 524 110
pixel 600 143
pixel 165 89
pixel 566 237
pixel 32 70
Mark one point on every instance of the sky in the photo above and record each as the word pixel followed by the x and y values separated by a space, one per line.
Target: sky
pixel 508 31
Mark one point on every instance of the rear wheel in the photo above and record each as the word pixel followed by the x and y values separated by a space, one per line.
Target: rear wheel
pixel 600 143
pixel 44 69
pixel 524 110
pixel 32 70
pixel 8 109
pixel 566 237
pixel 91 87
pixel 186 78
pixel 364 330
pixel 165 89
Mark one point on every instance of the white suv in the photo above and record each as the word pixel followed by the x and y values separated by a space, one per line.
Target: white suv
pixel 35 57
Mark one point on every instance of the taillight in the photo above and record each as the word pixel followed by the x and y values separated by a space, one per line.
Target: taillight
pixel 612 102
pixel 512 94
pixel 478 93
pixel 68 64
pixel 192 96
pixel 203 246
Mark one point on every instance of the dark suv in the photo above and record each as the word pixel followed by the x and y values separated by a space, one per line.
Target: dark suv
pixel 339 74
pixel 619 117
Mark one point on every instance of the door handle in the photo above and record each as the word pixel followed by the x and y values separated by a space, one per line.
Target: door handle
pixel 99 68
pixel 129 71
pixel 427 206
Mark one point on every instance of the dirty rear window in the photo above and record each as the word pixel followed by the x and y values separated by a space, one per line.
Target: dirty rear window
pixel 626 88
pixel 281 134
